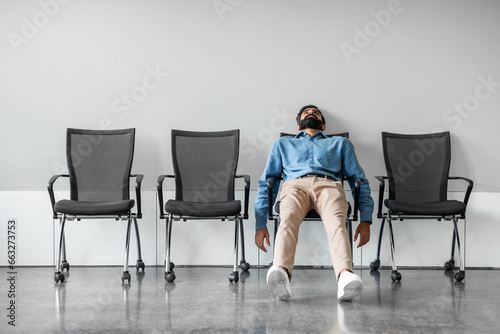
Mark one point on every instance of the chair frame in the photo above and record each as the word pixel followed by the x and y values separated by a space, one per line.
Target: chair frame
pixel 61 260
pixel 238 220
pixel 389 216
pixel 349 219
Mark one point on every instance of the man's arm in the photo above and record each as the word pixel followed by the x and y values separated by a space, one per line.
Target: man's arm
pixel 352 169
pixel 273 168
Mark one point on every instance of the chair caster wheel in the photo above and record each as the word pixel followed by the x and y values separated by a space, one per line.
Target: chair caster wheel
pixel 172 265
pixel 375 265
pixel 244 266
pixel 59 277
pixel 459 276
pixel 449 265
pixel 65 265
pixel 234 277
pixel 125 276
pixel 170 276
pixel 396 276
pixel 140 265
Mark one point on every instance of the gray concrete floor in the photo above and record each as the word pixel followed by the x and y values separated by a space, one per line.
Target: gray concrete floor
pixel 201 300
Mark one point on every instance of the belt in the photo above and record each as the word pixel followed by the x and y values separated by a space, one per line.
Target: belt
pixel 317 175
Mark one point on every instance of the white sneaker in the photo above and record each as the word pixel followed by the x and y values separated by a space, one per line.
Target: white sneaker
pixel 349 286
pixel 279 283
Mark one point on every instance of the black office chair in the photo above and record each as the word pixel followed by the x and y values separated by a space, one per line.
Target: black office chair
pixel 418 172
pixel 352 215
pixel 205 171
pixel 99 165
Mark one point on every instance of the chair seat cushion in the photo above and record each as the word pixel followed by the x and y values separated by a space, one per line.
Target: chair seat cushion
pixel 311 214
pixel 197 209
pixel 94 208
pixel 442 208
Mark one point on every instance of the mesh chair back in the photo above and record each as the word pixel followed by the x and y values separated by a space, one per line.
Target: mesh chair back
pixel 205 165
pixel 342 134
pixel 417 166
pixel 99 163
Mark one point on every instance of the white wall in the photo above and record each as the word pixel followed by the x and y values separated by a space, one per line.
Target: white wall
pixel 400 66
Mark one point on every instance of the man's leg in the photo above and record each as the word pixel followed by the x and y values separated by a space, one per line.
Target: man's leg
pixel 331 204
pixel 295 203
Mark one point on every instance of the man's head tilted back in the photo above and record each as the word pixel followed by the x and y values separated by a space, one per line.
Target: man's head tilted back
pixel 310 117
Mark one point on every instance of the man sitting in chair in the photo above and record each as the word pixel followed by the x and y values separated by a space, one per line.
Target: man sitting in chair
pixel 312 165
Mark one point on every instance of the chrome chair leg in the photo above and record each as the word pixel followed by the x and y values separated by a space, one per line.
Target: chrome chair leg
pixel 63 248
pixel 395 275
pixel 460 275
pixel 374 265
pixel 140 263
pixel 234 276
pixel 348 224
pixel 169 272
pixel 126 274
pixel 58 275
pixel 244 265
pixel 449 265
pixel 64 262
pixel 276 227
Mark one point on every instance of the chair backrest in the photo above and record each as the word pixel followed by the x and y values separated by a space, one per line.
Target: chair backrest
pixel 99 164
pixel 342 134
pixel 205 165
pixel 417 166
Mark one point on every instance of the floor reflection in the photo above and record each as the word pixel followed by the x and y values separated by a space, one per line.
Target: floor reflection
pixel 203 300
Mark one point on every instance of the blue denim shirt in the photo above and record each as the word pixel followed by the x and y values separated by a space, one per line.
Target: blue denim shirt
pixel 293 157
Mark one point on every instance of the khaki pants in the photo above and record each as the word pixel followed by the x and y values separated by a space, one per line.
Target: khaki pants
pixel 327 197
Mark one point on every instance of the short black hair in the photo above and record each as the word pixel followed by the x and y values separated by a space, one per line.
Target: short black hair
pixel 307 107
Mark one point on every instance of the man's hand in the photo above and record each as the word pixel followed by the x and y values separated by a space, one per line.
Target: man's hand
pixel 363 231
pixel 261 235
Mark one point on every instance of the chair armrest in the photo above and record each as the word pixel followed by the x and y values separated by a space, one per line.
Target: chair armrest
pixel 469 186
pixel 50 188
pixel 138 183
pixel 246 178
pixel 357 188
pixel 270 181
pixel 159 187
pixel 381 189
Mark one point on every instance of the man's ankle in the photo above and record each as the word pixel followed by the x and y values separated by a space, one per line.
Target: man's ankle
pixel 287 272
pixel 342 271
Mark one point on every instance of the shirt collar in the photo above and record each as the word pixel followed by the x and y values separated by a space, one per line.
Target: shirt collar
pixel 302 134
